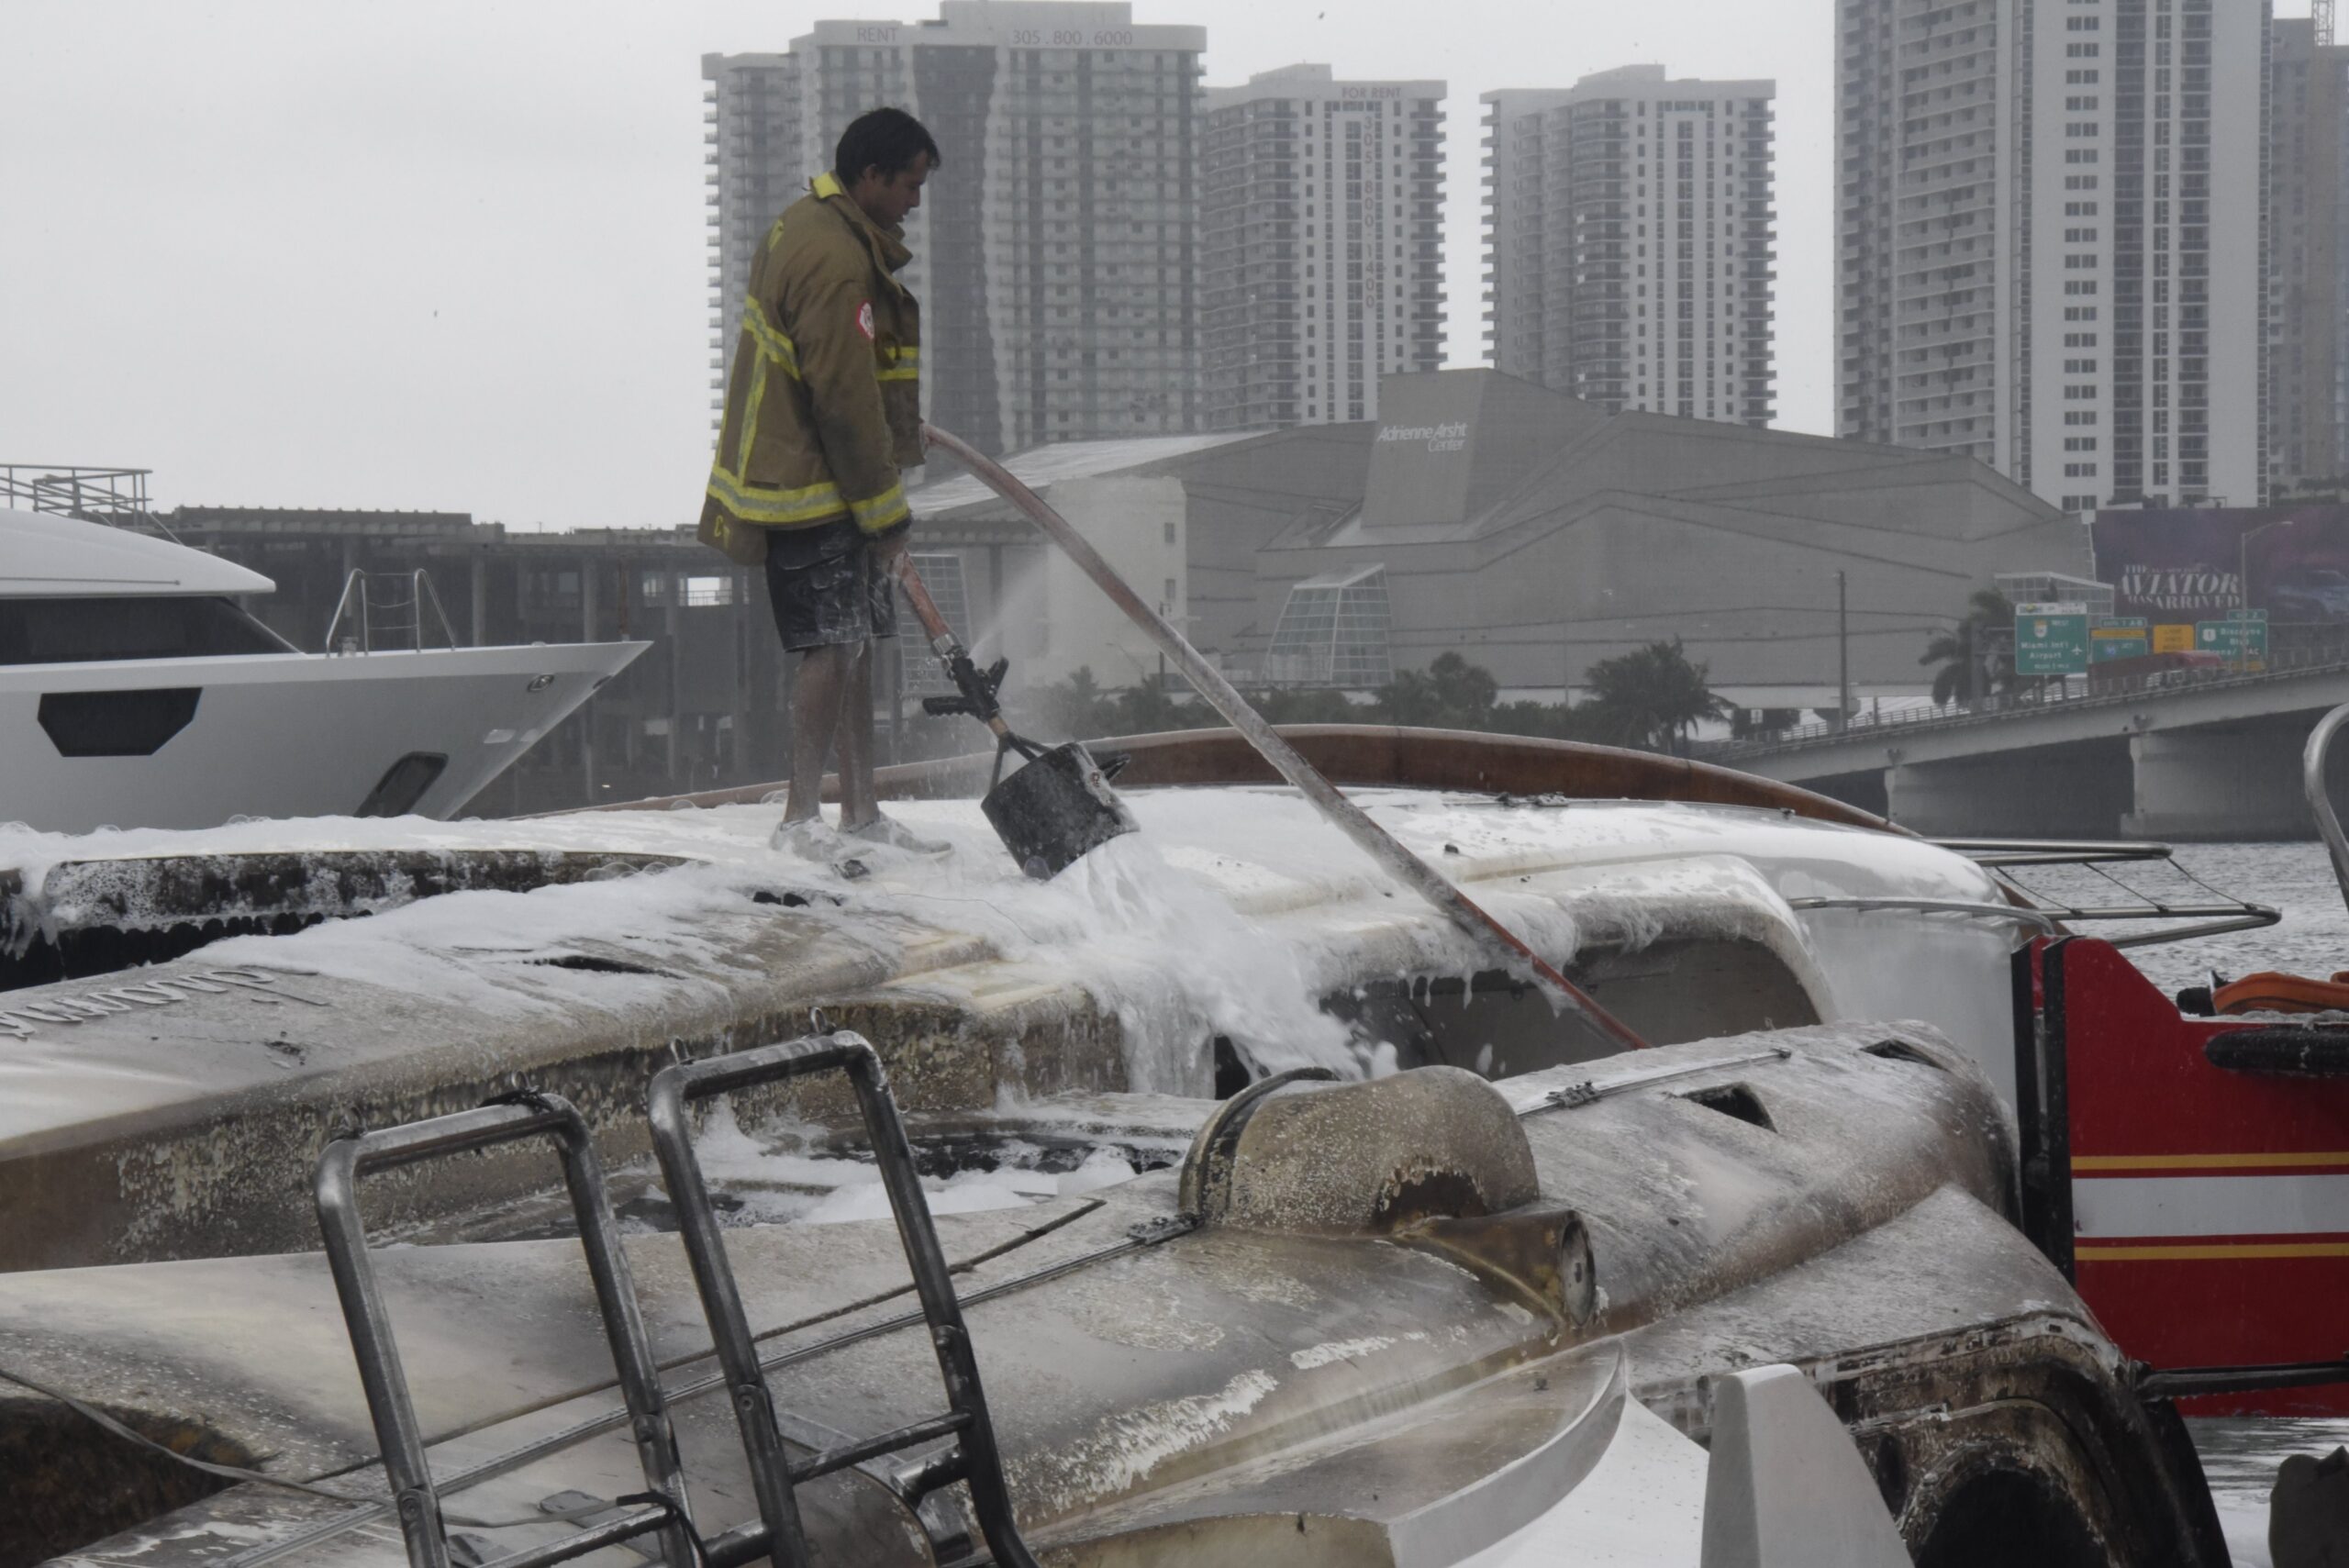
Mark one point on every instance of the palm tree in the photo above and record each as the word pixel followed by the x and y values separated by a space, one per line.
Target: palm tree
pixel 1411 697
pixel 1466 691
pixel 1652 696
pixel 1149 708
pixel 1317 705
pixel 1972 666
pixel 1076 707
pixel 1450 694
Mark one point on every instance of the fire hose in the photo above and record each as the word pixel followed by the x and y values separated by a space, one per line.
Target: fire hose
pixel 1383 847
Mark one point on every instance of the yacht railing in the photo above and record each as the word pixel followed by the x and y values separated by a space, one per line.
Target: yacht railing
pixel 77 490
pixel 363 616
pixel 2328 821
pixel 2206 912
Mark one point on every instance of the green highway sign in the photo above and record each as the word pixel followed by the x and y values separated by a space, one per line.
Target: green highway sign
pixel 2120 637
pixel 2242 643
pixel 2051 640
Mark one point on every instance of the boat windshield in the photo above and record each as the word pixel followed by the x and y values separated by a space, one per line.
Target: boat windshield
pixel 77 631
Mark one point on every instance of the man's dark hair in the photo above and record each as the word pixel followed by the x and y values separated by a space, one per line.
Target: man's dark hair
pixel 883 139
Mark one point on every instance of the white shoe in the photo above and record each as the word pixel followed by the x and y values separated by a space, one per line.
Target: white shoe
pixel 896 835
pixel 811 838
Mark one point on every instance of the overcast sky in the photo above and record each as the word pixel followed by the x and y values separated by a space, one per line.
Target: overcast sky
pixel 450 254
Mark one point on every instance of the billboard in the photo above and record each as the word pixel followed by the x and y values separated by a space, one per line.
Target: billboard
pixel 2181 567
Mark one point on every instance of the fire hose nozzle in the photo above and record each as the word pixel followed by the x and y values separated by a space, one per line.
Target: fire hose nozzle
pixel 975 688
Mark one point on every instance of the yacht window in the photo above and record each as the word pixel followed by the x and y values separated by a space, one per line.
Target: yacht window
pixel 403 784
pixel 78 632
pixel 116 723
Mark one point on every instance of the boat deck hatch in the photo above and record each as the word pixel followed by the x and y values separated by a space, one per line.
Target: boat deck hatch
pixel 71 1481
pixel 1736 1101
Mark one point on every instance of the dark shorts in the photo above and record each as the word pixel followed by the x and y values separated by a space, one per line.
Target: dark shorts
pixel 826 585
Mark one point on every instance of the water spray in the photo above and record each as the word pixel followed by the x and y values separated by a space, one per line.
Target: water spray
pixel 1464 912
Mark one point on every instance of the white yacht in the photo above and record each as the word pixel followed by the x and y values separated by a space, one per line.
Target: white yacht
pixel 136 691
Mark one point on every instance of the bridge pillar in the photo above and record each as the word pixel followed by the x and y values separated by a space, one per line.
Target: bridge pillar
pixel 2220 783
pixel 2073 793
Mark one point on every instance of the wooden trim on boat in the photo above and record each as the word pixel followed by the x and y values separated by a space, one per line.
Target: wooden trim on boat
pixel 1366 756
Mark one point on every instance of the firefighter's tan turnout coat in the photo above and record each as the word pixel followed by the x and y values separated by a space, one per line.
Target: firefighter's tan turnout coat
pixel 823 409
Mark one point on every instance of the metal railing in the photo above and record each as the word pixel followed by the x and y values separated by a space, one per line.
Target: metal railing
pixel 362 615
pixel 2319 799
pixel 973 1459
pixel 957 1445
pixel 77 490
pixel 2204 911
pixel 398 1434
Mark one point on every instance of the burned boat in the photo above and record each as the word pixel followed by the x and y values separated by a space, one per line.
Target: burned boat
pixel 1410 1268
pixel 1385 1328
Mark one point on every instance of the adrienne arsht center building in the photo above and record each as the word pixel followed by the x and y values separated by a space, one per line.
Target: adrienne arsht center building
pixel 1531 531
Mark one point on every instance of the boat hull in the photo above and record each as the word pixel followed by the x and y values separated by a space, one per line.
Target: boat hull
pixel 2200 1202
pixel 278 735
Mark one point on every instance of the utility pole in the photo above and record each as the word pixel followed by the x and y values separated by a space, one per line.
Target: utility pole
pixel 1842 655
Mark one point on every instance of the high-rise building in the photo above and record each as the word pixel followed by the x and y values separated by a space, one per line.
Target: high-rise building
pixel 2053 233
pixel 2307 270
pixel 1629 243
pixel 1321 206
pixel 1919 93
pixel 1055 251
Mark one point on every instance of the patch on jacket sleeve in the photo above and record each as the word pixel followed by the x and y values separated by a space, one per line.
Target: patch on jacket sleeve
pixel 864 319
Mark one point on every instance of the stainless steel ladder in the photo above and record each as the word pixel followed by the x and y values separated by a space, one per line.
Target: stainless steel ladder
pixel 974 1459
pixel 402 616
pixel 522 1115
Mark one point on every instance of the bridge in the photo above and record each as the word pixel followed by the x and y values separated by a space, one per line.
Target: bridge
pixel 2213 759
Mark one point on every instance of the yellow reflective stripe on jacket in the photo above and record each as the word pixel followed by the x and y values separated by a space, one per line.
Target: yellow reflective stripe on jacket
pixel 882 511
pixel 777 347
pixel 743 437
pixel 758 504
pixel 774 346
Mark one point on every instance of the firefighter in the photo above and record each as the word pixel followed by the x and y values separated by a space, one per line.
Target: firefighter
pixel 822 419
